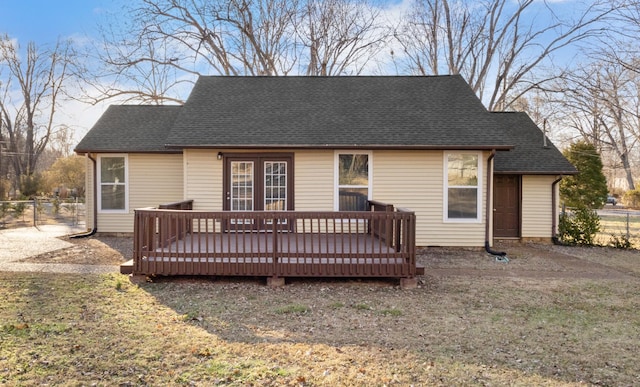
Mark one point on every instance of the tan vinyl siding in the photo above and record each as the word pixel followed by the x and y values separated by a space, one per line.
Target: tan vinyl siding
pixel 314 180
pixel 536 206
pixel 408 179
pixel 153 179
pixel 414 180
pixel 203 179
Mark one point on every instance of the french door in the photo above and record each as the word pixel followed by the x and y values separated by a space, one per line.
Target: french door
pixel 258 182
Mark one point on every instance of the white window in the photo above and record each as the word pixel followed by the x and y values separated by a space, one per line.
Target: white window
pixel 353 181
pixel 113 181
pixel 462 186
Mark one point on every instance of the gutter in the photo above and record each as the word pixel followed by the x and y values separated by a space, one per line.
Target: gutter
pixel 554 212
pixel 94 229
pixel 500 255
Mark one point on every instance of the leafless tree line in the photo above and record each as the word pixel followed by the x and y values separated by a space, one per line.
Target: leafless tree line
pixel 599 99
pixel 494 44
pixel 235 37
pixel 508 51
pixel 32 83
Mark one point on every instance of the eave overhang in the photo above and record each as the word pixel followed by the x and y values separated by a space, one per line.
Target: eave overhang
pixel 342 146
pixel 540 173
pixel 86 151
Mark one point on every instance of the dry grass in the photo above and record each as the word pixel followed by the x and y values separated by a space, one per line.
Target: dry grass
pixel 455 330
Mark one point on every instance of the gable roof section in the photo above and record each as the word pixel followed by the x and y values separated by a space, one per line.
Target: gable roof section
pixel 130 128
pixel 529 155
pixel 437 112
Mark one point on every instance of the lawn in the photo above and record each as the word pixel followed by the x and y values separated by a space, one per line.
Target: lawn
pixel 461 330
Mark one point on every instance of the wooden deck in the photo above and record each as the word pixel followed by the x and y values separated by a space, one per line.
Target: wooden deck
pixel 376 243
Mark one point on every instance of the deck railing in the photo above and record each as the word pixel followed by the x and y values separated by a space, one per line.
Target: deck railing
pixel 174 231
pixel 376 243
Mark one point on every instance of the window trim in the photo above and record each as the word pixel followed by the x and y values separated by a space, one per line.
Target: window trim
pixel 336 175
pixel 445 191
pixel 98 178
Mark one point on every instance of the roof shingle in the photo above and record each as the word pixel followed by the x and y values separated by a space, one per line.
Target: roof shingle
pixel 529 155
pixel 330 112
pixel 436 112
pixel 130 128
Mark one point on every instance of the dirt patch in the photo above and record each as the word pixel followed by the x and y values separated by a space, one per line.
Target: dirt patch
pixel 532 260
pixel 89 251
pixel 527 260
pixel 551 316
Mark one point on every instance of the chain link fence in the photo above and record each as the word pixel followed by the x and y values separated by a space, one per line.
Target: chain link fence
pixel 41 211
pixel 619 226
pixel 616 226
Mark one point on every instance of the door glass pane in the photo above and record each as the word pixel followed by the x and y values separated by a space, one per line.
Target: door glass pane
pixel 242 186
pixel 275 185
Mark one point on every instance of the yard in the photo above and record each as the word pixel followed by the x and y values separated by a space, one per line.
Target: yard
pixel 617 225
pixel 15 214
pixel 551 316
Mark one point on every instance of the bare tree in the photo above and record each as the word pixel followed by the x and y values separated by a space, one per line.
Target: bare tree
pixel 340 36
pixel 32 87
pixel 491 43
pixel 124 63
pixel 623 41
pixel 168 42
pixel 601 102
pixel 236 37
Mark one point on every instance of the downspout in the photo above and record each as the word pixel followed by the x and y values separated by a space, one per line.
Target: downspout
pixel 487 246
pixel 94 229
pixel 554 213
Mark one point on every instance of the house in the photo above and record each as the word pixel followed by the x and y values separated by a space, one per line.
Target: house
pixel 329 144
pixel 525 199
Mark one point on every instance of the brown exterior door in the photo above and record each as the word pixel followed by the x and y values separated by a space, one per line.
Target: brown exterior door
pixel 257 182
pixel 506 204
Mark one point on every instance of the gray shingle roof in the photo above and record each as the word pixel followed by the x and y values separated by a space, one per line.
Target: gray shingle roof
pixel 373 112
pixel 440 112
pixel 129 128
pixel 529 156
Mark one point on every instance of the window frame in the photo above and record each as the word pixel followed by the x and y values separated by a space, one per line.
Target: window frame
pixel 446 187
pixel 100 184
pixel 336 175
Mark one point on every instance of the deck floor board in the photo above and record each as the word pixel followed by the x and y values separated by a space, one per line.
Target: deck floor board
pixel 290 244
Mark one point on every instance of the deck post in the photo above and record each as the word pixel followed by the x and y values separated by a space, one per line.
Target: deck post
pixel 275 282
pixel 408 283
pixel 275 248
